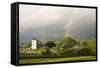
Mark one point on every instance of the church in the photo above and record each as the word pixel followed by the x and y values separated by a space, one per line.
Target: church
pixel 36 44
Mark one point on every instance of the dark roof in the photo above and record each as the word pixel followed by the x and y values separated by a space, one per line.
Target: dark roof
pixel 34 39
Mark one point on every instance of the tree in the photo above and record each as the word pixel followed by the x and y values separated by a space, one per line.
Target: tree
pixel 84 43
pixel 78 43
pixel 50 44
pixel 68 42
pixel 29 45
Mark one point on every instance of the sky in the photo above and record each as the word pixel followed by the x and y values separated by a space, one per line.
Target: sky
pixel 54 23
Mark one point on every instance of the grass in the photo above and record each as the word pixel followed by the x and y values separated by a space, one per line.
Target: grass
pixel 44 60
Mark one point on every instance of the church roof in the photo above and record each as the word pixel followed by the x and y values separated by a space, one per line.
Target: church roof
pixel 34 39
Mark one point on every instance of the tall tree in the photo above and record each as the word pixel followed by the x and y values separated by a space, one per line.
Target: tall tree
pixel 50 44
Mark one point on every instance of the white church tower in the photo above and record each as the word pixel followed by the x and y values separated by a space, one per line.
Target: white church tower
pixel 34 43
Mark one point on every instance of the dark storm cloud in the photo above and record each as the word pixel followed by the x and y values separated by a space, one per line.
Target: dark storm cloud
pixel 52 23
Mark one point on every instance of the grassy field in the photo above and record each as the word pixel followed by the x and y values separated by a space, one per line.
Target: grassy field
pixel 44 60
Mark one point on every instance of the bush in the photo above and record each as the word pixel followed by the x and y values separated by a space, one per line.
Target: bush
pixel 92 45
pixel 46 52
pixel 85 51
pixel 84 43
pixel 69 53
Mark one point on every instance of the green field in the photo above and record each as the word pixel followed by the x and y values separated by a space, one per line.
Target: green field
pixel 44 60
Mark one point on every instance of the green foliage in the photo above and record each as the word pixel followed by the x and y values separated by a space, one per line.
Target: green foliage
pixel 78 43
pixel 68 42
pixel 84 43
pixel 69 52
pixel 84 48
pixel 92 45
pixel 50 44
pixel 25 45
pixel 46 52
pixel 29 45
pixel 67 47
pixel 84 51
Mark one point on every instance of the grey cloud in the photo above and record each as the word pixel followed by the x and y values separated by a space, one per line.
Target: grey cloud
pixel 51 23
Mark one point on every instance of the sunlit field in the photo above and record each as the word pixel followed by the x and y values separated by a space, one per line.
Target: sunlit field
pixel 45 60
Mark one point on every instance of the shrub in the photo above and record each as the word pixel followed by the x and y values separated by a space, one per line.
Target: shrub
pixel 85 51
pixel 84 43
pixel 46 52
pixel 69 52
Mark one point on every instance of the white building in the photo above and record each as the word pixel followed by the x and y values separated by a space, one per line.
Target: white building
pixel 34 43
pixel 37 44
